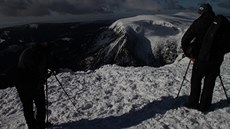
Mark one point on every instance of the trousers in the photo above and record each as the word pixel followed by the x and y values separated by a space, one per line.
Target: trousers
pixel 29 95
pixel 202 99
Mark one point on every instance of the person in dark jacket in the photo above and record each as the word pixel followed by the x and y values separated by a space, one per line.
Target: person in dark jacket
pixel 31 76
pixel 202 68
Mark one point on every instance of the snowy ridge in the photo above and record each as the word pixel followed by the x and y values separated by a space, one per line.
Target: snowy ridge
pixel 152 38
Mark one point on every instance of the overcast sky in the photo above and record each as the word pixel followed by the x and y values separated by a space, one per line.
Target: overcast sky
pixel 49 7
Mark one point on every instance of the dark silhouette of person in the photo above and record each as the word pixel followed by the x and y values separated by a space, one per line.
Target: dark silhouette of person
pixel 31 77
pixel 208 68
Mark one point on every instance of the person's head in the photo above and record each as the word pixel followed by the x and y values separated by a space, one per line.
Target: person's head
pixel 204 8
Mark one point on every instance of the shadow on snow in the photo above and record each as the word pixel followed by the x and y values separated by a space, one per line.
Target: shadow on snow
pixel 129 119
pixel 136 117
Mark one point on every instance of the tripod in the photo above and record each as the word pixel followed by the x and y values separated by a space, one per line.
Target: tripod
pixel 47 105
pixel 60 84
pixel 184 77
pixel 221 81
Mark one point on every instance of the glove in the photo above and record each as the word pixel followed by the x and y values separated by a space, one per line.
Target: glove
pixel 188 51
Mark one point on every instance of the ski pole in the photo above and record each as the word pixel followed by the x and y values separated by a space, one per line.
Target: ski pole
pixel 221 81
pixel 183 79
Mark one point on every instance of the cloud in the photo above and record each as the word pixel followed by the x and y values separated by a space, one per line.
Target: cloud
pixel 48 7
pixel 11 7
pixel 22 8
pixel 225 4
pixel 45 7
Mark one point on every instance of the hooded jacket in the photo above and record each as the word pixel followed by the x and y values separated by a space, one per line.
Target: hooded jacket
pixel 33 65
pixel 192 39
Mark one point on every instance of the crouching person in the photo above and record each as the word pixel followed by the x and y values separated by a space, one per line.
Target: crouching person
pixel 31 76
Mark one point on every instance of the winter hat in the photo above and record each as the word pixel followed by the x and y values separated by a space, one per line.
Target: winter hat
pixel 204 8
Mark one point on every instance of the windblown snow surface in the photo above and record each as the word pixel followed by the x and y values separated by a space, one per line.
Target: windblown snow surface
pixel 114 97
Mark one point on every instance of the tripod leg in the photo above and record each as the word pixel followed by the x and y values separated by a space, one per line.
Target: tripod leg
pixel 183 79
pixel 66 93
pixel 47 103
pixel 224 89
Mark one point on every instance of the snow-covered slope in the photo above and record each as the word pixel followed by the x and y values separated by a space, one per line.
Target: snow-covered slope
pixel 114 97
pixel 152 40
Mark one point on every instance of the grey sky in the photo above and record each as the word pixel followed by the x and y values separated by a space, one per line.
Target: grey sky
pixel 47 7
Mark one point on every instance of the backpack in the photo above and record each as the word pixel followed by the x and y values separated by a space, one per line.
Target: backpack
pixel 222 35
pixel 216 39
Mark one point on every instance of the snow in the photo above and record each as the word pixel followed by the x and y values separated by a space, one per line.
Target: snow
pixel 114 97
pixel 66 39
pixel 1 40
pixel 33 26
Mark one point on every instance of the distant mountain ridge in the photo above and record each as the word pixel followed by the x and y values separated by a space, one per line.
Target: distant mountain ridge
pixel 145 40
pixel 70 41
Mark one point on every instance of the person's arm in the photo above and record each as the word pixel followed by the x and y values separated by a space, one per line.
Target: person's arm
pixel 188 39
pixel 186 44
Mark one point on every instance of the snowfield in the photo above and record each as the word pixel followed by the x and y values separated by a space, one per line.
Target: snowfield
pixel 115 97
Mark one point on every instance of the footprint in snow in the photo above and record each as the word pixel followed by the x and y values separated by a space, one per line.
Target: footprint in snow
pixel 87 106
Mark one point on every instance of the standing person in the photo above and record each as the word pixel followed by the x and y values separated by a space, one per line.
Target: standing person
pixel 32 74
pixel 202 68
